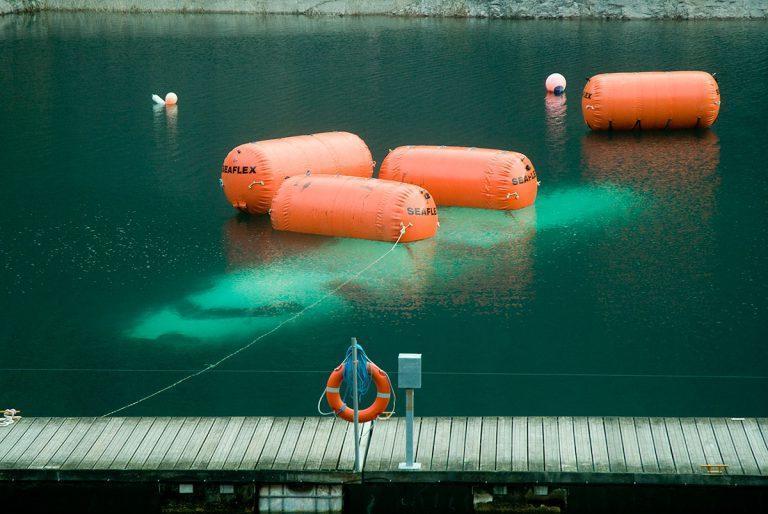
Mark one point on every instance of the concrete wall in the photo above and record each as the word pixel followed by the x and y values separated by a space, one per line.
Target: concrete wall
pixel 617 9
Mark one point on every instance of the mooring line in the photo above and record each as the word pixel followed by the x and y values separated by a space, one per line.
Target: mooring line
pixel 262 336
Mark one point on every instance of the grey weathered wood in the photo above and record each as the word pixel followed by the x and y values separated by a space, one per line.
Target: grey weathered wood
pixel 194 444
pixel 335 442
pixel 87 442
pixel 567 444
pixel 272 444
pixel 82 425
pixel 18 441
pixel 535 444
pixel 615 445
pixel 147 444
pixel 630 445
pixel 681 460
pixel 379 451
pixel 182 437
pixel 472 444
pixel 582 445
pixel 240 445
pixel 212 440
pixel 398 451
pixel 597 439
pixel 40 442
pixel 743 449
pixel 519 443
pixel 426 443
pixel 456 447
pixel 14 433
pixel 347 456
pixel 101 444
pixel 111 450
pixel 708 442
pixel 504 444
pixel 488 444
pixel 725 444
pixel 54 446
pixel 226 443
pixel 551 444
pixel 646 445
pixel 288 444
pixel 133 442
pixel 693 443
pixel 441 448
pixel 156 456
pixel 664 459
pixel 304 443
pixel 256 444
pixel 758 445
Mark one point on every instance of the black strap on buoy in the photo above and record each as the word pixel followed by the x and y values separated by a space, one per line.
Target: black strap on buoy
pixel 698 120
pixel 668 122
pixel 638 125
pixel 610 125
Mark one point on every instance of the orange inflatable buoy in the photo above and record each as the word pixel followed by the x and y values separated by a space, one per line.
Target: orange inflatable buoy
pixel 354 207
pixel 651 100
pixel 383 392
pixel 253 172
pixel 467 177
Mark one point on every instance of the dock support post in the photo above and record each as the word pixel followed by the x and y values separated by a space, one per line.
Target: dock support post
pixel 355 406
pixel 409 378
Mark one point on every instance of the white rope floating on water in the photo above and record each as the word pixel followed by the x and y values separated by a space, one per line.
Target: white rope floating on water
pixel 262 336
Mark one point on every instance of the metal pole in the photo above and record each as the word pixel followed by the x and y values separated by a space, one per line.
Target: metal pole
pixel 409 428
pixel 354 404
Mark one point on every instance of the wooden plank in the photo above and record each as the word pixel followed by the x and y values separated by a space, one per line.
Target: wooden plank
pixel 630 444
pixel 488 443
pixel 599 444
pixel 116 444
pixel 725 444
pixel 379 451
pixel 535 444
pixel 504 444
pixel 442 446
pixel 398 452
pixel 335 442
pixel 708 442
pixel 37 445
pixel 742 446
pixel 472 444
pixel 194 444
pixel 14 434
pixel 256 445
pixel 87 442
pixel 125 454
pixel 304 443
pixel 646 446
pixel 52 446
pixel 163 445
pixel 82 425
pixel 179 442
pixel 225 443
pixel 456 446
pixel 144 450
pixel 567 442
pixel 6 430
pixel 519 443
pixel 211 441
pixel 272 444
pixel 288 443
pixel 551 444
pixel 693 443
pixel 664 459
pixel 240 445
pixel 20 441
pixel 347 457
pixel 426 443
pixel 582 445
pixel 93 453
pixel 757 444
pixel 681 460
pixel 615 445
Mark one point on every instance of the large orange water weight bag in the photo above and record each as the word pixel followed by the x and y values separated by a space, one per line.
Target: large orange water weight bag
pixel 651 100
pixel 252 172
pixel 354 207
pixel 467 177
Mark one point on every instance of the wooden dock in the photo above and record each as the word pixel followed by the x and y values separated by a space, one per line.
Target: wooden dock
pixel 503 450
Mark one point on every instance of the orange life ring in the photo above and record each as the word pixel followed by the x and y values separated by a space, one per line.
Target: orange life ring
pixel 383 392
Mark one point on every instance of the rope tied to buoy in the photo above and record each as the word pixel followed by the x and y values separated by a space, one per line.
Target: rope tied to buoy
pixel 269 332
pixel 255 182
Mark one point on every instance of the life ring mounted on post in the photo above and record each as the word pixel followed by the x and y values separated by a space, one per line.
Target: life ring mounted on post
pixel 379 405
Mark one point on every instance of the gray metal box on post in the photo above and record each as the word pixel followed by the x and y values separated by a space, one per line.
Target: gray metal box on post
pixel 409 378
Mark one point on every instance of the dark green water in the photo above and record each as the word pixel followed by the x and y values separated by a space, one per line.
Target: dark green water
pixel 636 285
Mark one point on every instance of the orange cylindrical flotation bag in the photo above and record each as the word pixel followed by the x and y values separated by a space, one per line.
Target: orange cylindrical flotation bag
pixel 354 207
pixel 253 172
pixel 467 177
pixel 651 100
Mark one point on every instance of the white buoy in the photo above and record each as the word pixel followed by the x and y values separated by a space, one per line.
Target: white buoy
pixel 171 99
pixel 556 84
